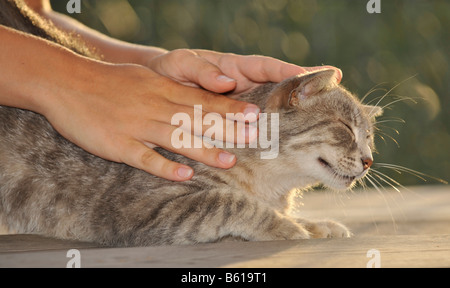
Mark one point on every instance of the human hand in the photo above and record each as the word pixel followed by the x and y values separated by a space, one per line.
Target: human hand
pixel 225 72
pixel 122 112
pixel 128 110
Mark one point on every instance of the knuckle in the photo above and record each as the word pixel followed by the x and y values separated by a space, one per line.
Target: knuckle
pixel 181 54
pixel 167 167
pixel 207 156
pixel 156 164
pixel 208 99
pixel 148 157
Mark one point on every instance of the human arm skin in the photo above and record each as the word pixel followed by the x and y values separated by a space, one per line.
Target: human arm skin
pixel 111 49
pixel 119 116
pixel 190 67
pixel 127 111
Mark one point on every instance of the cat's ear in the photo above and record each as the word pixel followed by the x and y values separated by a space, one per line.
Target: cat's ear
pixel 372 111
pixel 290 92
pixel 311 84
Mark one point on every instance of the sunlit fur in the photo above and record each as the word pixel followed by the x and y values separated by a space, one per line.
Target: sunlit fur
pixel 49 186
pixel 375 178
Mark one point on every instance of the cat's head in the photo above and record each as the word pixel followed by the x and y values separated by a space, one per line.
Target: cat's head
pixel 326 134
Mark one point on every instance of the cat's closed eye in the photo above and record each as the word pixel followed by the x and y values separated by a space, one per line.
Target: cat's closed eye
pixel 347 126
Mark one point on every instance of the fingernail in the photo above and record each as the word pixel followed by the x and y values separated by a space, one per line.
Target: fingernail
pixel 226 158
pixel 184 172
pixel 251 113
pixel 223 78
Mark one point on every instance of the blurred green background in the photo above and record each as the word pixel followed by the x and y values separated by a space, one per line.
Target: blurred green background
pixel 408 38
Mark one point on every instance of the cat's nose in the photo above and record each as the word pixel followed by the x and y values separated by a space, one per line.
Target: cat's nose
pixel 367 162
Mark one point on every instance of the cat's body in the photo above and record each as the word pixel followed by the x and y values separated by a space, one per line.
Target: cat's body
pixel 49 186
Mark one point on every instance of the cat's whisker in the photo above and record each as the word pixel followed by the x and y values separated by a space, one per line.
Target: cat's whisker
pixel 389 91
pixel 399 170
pixel 384 96
pixel 371 177
pixel 381 137
pixel 362 183
pixel 394 119
pixel 389 178
pixel 375 98
pixel 365 187
pixel 50 168
pixel 374 89
pixel 399 100
pixel 395 182
pixel 387 127
pixel 379 132
pixel 371 208
pixel 374 181
pixel 415 173
pixel 380 176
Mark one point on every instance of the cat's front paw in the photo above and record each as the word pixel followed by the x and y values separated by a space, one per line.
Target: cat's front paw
pixel 326 229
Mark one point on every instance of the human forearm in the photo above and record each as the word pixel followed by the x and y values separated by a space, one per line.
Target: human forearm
pixel 35 71
pixel 112 50
pixel 116 111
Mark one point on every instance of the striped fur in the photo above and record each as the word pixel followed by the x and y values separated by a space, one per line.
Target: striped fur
pixel 51 187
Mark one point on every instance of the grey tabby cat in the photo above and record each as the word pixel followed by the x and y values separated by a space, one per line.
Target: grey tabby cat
pixel 51 187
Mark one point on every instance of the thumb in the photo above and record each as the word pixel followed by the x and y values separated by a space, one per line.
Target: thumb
pixel 207 75
pixel 187 67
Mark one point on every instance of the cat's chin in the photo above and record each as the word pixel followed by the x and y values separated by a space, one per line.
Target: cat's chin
pixel 336 186
pixel 337 181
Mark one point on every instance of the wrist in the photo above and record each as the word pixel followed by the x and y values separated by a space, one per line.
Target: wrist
pixel 143 55
pixel 68 77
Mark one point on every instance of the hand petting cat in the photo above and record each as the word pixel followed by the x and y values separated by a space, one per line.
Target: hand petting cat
pixel 118 110
pixel 220 73
pixel 225 72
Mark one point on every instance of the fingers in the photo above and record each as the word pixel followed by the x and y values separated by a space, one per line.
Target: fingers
pixel 217 73
pixel 160 129
pixel 192 68
pixel 194 117
pixel 207 75
pixel 220 73
pixel 142 157
pixel 237 110
pixel 177 140
pixel 264 69
pixel 214 126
